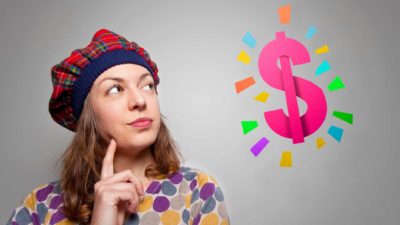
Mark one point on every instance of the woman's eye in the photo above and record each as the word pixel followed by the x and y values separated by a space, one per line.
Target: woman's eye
pixel 150 86
pixel 112 90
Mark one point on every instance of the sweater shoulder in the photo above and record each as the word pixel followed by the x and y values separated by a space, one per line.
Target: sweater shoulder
pixel 197 177
pixel 42 204
pixel 45 196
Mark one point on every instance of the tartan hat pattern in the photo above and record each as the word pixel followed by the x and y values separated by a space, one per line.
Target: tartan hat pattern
pixel 73 77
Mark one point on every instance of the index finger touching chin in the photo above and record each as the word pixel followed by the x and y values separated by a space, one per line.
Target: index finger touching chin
pixel 107 169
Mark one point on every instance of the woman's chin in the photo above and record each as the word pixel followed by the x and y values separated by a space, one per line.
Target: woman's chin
pixel 137 141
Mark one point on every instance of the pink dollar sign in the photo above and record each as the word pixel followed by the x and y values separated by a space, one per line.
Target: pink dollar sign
pixel 292 126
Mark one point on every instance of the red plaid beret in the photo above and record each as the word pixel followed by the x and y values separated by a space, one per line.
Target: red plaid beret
pixel 73 77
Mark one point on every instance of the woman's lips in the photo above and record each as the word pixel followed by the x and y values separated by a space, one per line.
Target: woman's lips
pixel 142 124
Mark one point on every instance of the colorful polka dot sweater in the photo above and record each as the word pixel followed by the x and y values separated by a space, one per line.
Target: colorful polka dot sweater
pixel 188 196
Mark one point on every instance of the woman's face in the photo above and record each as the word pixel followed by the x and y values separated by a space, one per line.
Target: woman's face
pixel 119 96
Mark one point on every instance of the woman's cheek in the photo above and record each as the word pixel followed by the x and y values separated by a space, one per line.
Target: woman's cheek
pixel 110 116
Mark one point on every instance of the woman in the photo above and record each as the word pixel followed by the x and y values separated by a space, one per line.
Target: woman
pixel 122 166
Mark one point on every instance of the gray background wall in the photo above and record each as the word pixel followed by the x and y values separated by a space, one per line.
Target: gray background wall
pixel 195 44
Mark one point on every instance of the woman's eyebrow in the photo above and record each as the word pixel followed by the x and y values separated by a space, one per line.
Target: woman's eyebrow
pixel 122 80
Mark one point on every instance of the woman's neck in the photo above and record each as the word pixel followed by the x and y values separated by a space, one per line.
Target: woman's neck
pixel 137 162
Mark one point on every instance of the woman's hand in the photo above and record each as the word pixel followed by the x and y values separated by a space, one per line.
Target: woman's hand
pixel 115 194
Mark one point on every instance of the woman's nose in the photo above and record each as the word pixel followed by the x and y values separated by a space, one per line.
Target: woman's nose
pixel 136 100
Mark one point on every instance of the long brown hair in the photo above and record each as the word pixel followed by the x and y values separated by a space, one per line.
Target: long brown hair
pixel 82 162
